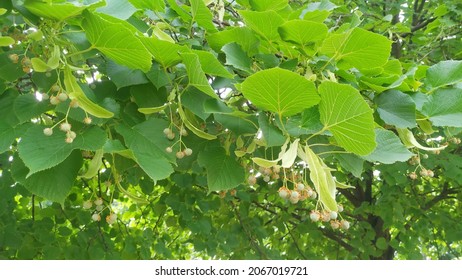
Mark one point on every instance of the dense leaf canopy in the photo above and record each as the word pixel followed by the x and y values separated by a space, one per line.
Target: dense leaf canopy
pixel 218 129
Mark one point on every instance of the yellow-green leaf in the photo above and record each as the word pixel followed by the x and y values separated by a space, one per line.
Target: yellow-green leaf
pixel 75 92
pixel 152 110
pixel 321 177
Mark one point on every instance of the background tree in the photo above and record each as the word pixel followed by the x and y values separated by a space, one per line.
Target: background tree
pixel 246 129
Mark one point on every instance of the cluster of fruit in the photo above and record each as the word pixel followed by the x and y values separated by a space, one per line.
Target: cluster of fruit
pixel 330 217
pixel 299 193
pixel 25 62
pixel 66 127
pixel 186 152
pixel 99 207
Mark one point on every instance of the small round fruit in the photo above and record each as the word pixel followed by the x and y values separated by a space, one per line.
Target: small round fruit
pixel 188 152
pixel 295 194
pixel 314 195
pixel 284 192
pixel 74 104
pixel 179 155
pixel 315 216
pixel 294 200
pixel 169 149
pixel 171 136
pixel 345 224
pixel 252 180
pixel 412 175
pixel 54 100
pixel 310 192
pixel 167 131
pixel 96 217
pixel 333 215
pixel 87 120
pixel 55 88
pixel 183 132
pixel 87 204
pixel 69 140
pixel 335 224
pixel 14 58
pixel 325 216
pixel 222 194
pixel 99 208
pixel 233 192
pixel 267 171
pixel 430 173
pixel 98 201
pixel 45 96
pixel 62 97
pixel 111 218
pixel 276 169
pixel 267 178
pixel 303 195
pixel 71 134
pixel 275 176
pixel 340 208
pixel 300 187
pixel 48 131
pixel 65 127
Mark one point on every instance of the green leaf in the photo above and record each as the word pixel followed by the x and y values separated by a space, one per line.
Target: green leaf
pixel 265 162
pixel 211 65
pixel 243 36
pixel 289 156
pixel 158 77
pixel 302 32
pixel 40 152
pixel 396 108
pixel 444 73
pixel 308 122
pixel 7 100
pixel 237 58
pixel 27 107
pixel 39 65
pixel 202 15
pixel 346 114
pixel 280 91
pixel 94 165
pixel 271 134
pixel 118 9
pixel 351 163
pixel 148 148
pixel 9 71
pixel 5 41
pixel 123 76
pixel 381 243
pixel 164 52
pixel 154 5
pixel 266 23
pixel 358 48
pixel 8 135
pixel 444 107
pixel 152 110
pixel 75 92
pixel 53 184
pixel 236 124
pixel 389 148
pixel 189 124
pixel 116 41
pixel 223 172
pixel 53 61
pixel 196 75
pixel 264 5
pixel 56 11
